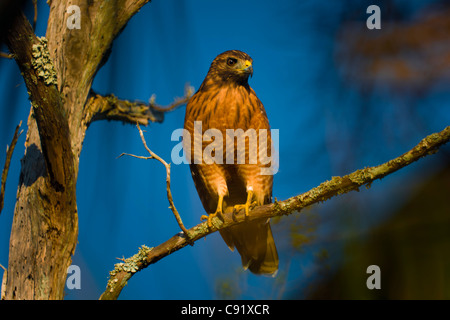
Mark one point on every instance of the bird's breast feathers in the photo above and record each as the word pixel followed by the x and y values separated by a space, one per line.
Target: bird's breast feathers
pixel 226 107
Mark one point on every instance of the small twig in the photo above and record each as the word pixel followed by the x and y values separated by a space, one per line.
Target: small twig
pixel 35 14
pixel 9 153
pixel 134 156
pixel 167 166
pixel 6 55
pixel 188 92
pixel 169 192
pixel 3 284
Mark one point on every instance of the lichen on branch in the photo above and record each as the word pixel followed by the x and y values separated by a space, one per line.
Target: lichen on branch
pixel 42 62
pixel 127 267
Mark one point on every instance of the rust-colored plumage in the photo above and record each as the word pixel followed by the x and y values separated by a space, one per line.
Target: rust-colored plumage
pixel 226 101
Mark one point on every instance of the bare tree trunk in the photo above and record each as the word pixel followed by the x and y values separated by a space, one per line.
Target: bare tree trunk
pixel 59 79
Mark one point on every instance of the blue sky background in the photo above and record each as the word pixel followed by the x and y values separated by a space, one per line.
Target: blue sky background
pixel 328 126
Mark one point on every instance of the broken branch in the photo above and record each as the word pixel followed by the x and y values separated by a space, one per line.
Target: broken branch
pixel 110 107
pixel 188 92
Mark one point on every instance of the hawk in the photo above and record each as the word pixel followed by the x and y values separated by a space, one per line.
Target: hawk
pixel 225 101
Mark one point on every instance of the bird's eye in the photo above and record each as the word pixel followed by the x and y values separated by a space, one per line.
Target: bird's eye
pixel 231 61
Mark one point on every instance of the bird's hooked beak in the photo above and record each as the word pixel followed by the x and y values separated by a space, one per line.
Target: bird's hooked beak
pixel 248 68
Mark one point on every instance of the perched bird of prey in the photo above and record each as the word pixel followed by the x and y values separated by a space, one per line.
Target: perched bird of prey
pixel 225 101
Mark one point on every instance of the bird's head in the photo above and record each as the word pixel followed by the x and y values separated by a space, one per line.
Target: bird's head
pixel 232 67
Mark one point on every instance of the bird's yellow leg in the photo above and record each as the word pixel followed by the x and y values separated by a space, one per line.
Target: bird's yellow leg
pixel 248 204
pixel 217 213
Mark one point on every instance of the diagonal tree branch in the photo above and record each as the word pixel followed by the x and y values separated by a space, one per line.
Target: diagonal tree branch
pixel 31 55
pixel 326 190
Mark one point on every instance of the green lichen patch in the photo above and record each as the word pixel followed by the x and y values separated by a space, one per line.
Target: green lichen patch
pixel 129 265
pixel 42 62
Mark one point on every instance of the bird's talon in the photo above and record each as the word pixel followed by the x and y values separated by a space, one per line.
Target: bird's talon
pixel 210 216
pixel 247 206
pixel 207 217
pixel 238 208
